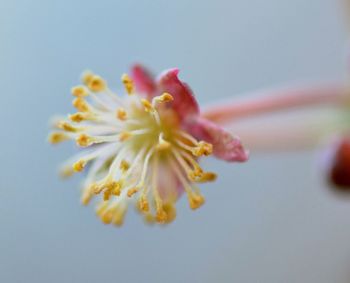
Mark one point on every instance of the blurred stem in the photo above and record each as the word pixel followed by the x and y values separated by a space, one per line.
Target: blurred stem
pixel 277 100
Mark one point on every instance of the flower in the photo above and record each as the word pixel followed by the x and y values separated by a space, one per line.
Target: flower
pixel 142 147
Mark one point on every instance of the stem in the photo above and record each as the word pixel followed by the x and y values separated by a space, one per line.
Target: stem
pixel 278 100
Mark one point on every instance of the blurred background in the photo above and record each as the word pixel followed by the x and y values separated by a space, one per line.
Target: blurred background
pixel 270 220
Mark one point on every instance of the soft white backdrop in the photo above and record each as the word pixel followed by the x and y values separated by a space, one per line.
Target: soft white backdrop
pixel 270 220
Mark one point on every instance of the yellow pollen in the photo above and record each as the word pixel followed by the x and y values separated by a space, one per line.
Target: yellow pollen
pixel 207 177
pixel 77 117
pixel 143 204
pixel 80 104
pixel 97 84
pixel 79 91
pixel 203 148
pixel 57 137
pixel 147 105
pixel 121 114
pixel 161 215
pixel 86 77
pixel 124 165
pixel 123 136
pixel 165 97
pixel 84 140
pixel 170 211
pixel 131 192
pixel 128 84
pixel 67 127
pixel 79 165
pixel 195 200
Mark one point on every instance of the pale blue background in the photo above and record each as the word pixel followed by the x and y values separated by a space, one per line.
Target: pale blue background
pixel 270 220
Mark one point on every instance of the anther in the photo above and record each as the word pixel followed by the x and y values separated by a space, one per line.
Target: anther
pixel 58 137
pixel 143 204
pixel 67 127
pixel 131 192
pixel 165 97
pixel 202 148
pixel 79 165
pixel 79 91
pixel 80 104
pixel 147 105
pixel 121 114
pixel 86 77
pixel 124 165
pixel 195 200
pixel 84 140
pixel 97 84
pixel 128 84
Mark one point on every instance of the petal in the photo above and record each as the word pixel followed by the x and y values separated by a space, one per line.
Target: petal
pixel 225 146
pixel 143 80
pixel 184 102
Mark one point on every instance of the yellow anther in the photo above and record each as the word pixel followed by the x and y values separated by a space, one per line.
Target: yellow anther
pixel 67 127
pixel 202 148
pixel 196 174
pixel 79 91
pixel 86 77
pixel 207 177
pixel 195 200
pixel 115 188
pixel 165 97
pixel 161 215
pixel 107 216
pixel 149 218
pixel 106 195
pixel 66 172
pixel 128 84
pixel 121 114
pixel 132 191
pixel 80 104
pixel 147 105
pixel 77 117
pixel 123 136
pixel 84 140
pixel 79 165
pixel 57 137
pixel 97 84
pixel 170 211
pixel 124 165
pixel 143 204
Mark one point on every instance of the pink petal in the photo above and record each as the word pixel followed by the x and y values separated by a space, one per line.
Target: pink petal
pixel 184 102
pixel 143 80
pixel 225 146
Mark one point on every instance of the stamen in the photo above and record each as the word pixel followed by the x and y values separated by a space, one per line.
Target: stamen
pixel 67 127
pixel 86 77
pixel 124 165
pixel 79 165
pixel 79 91
pixel 57 137
pixel 165 97
pixel 81 105
pixel 96 84
pixel 147 105
pixel 84 140
pixel 81 116
pixel 128 84
pixel 121 114
pixel 123 136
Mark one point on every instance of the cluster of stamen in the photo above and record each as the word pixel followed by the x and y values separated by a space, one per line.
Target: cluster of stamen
pixel 135 148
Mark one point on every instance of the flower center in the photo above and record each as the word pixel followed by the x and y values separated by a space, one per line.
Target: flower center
pixel 136 148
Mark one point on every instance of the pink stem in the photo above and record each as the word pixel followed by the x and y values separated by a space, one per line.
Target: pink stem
pixel 277 100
